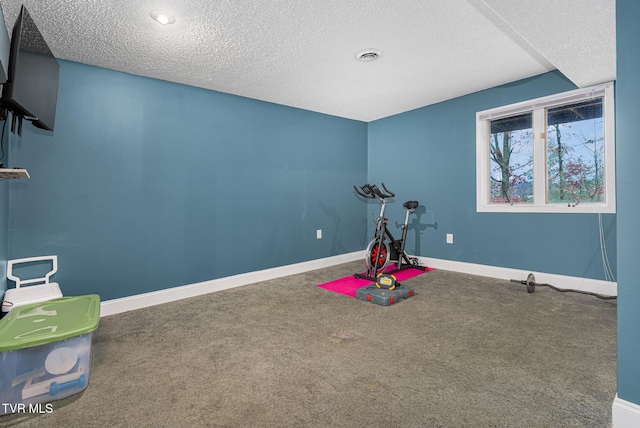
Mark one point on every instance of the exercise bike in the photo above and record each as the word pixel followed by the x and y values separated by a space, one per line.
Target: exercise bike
pixel 384 248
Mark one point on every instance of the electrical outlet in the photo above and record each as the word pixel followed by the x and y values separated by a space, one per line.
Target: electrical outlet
pixel 449 238
pixel 319 234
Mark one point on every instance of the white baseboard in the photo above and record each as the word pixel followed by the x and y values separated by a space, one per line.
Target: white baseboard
pixel 560 281
pixel 625 414
pixel 139 301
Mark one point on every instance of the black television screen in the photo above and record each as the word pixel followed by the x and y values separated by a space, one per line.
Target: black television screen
pixel 31 90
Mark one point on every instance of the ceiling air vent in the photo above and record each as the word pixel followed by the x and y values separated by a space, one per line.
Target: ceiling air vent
pixel 368 55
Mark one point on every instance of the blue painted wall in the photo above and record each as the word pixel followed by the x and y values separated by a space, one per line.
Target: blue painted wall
pixel 429 154
pixel 628 155
pixel 147 184
pixel 4 214
pixel 4 185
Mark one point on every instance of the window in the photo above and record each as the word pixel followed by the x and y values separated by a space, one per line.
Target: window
pixel 552 154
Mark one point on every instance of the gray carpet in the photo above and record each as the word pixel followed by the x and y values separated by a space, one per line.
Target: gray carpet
pixel 465 351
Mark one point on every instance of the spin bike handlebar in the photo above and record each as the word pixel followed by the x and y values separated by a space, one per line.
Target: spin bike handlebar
pixel 371 191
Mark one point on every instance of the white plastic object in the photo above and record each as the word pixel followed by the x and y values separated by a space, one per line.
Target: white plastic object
pixel 44 280
pixel 44 290
pixel 60 360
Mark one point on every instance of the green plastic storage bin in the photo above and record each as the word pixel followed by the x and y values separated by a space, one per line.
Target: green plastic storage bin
pixel 45 351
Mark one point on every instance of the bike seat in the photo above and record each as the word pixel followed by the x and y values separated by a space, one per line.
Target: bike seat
pixel 411 205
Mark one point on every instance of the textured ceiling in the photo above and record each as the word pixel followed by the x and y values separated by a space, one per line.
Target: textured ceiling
pixel 301 53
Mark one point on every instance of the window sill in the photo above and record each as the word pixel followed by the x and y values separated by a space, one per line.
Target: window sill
pixel 555 208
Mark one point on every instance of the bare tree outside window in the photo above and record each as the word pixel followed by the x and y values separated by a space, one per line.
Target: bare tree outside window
pixel 554 154
pixel 511 157
pixel 575 153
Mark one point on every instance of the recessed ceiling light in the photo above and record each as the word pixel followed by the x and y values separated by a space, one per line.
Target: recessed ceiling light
pixel 162 17
pixel 368 55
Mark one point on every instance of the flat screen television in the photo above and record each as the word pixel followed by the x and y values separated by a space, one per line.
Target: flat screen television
pixel 31 90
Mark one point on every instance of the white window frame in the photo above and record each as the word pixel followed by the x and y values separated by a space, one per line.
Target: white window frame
pixel 538 108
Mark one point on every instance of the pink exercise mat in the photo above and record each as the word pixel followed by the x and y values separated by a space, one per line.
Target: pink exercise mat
pixel 349 284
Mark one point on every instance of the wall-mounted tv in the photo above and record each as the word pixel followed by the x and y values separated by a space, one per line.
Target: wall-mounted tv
pixel 31 90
